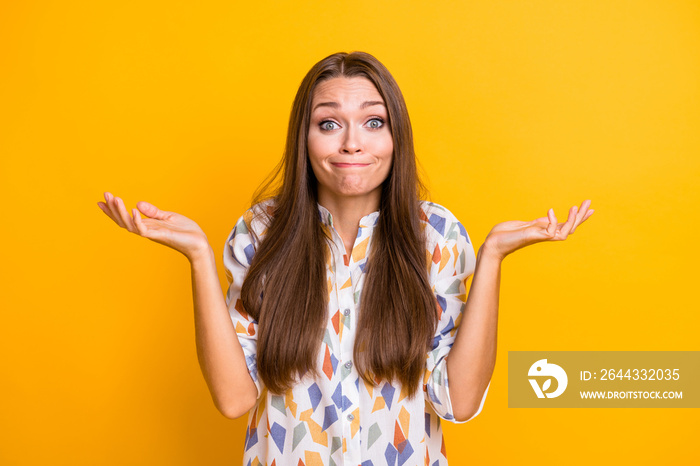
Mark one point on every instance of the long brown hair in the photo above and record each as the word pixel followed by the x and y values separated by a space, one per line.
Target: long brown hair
pixel 285 289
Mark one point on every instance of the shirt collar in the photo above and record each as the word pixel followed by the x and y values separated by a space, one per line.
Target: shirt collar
pixel 368 221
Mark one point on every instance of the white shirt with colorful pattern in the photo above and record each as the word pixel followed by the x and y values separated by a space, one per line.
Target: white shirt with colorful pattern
pixel 338 419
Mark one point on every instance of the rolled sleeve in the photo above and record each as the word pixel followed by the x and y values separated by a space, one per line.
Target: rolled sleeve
pixel 238 254
pixel 453 262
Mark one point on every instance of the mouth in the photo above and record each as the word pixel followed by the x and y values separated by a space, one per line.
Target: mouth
pixel 349 165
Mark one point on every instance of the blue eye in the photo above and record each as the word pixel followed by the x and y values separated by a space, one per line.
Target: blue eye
pixel 323 126
pixel 381 123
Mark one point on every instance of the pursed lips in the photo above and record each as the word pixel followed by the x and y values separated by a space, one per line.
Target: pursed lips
pixel 348 165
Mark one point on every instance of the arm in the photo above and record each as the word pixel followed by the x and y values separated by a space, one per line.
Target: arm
pixel 224 357
pixel 219 352
pixel 473 355
pixel 453 262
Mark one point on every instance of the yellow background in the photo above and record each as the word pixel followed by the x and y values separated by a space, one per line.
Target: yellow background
pixel 517 106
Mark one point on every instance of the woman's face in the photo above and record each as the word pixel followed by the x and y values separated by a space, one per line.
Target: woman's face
pixel 349 142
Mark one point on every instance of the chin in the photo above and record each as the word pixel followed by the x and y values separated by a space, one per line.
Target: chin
pixel 353 193
pixel 356 190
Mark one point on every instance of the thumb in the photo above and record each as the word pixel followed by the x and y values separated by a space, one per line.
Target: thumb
pixel 149 210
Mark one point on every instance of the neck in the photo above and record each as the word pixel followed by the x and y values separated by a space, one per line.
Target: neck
pixel 347 211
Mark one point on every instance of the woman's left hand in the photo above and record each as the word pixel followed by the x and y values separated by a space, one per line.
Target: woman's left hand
pixel 508 237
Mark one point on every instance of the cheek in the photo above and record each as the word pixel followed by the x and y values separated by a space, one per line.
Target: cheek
pixel 317 146
pixel 387 150
pixel 317 166
pixel 389 160
pixel 314 150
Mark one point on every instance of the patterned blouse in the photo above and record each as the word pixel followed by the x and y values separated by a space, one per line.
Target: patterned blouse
pixel 338 419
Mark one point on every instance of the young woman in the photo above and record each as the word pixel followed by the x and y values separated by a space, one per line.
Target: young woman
pixel 346 332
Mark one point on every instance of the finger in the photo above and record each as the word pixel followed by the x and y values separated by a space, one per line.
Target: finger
pixel 140 227
pixel 579 216
pixel 125 215
pixel 114 209
pixel 583 215
pixel 542 221
pixel 108 204
pixel 566 228
pixel 108 213
pixel 103 208
pixel 552 226
pixel 149 210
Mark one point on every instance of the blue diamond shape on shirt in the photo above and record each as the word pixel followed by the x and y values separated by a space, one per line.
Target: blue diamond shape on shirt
pixel 388 393
pixel 450 325
pixel 347 404
pixel 442 302
pixel 431 394
pixel 252 366
pixel 463 232
pixel 278 433
pixel 314 395
pixel 438 223
pixel 334 362
pixel 331 415
pixel 252 439
pixel 337 395
pixel 406 452
pixel 390 455
pixel 249 252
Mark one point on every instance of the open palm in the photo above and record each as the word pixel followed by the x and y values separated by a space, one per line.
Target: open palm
pixel 168 228
pixel 507 237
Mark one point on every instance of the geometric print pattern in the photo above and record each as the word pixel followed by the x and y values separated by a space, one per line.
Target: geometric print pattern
pixel 338 419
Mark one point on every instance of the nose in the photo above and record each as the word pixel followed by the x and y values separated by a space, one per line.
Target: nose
pixel 351 141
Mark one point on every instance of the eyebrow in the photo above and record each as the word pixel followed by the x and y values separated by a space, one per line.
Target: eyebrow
pixel 364 105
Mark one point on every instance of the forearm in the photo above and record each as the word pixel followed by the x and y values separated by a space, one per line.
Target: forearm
pixel 219 352
pixel 472 358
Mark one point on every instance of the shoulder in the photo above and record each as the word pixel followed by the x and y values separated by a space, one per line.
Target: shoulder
pixel 441 224
pixel 258 216
pixel 255 220
pixel 449 249
pixel 251 227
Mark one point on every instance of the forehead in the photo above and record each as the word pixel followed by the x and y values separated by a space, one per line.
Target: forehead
pixel 342 89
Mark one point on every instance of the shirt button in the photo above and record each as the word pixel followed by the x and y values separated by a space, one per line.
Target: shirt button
pixel 350 417
pixel 346 312
pixel 348 365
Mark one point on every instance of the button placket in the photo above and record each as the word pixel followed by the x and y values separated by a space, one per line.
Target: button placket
pixel 347 276
pixel 346 303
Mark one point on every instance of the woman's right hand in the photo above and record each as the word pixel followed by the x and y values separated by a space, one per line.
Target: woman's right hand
pixel 168 228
